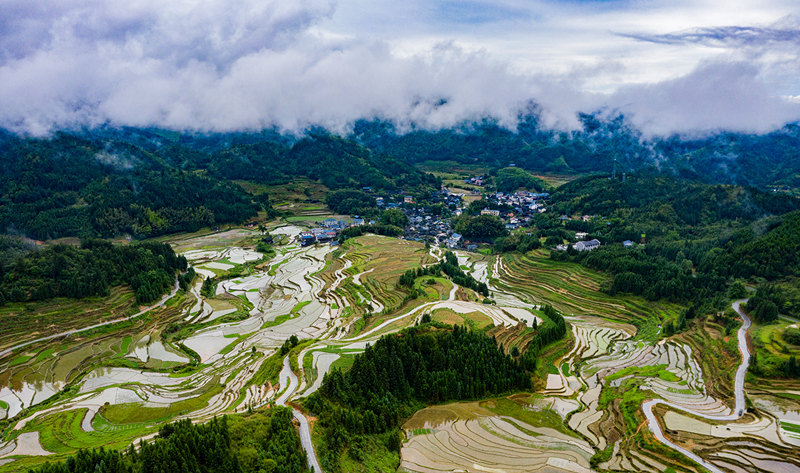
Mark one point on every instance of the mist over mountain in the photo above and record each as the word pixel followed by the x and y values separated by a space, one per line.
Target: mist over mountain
pixel 106 181
pixel 766 160
pixel 759 160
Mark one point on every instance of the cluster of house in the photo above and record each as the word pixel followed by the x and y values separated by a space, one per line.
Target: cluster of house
pixel 384 203
pixel 328 231
pixel 450 199
pixel 524 204
pixel 520 199
pixel 421 227
pixel 476 180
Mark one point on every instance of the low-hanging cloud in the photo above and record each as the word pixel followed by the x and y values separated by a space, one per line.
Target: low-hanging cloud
pixel 714 97
pixel 213 66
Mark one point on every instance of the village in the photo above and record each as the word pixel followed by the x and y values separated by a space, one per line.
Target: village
pixel 431 221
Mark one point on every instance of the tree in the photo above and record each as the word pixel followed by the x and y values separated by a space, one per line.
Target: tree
pixel 394 217
pixel 350 202
pixel 485 227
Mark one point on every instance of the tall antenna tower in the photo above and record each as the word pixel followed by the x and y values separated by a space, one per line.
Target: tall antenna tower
pixel 614 170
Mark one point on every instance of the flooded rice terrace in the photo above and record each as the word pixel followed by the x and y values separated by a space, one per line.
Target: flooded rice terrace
pixel 200 356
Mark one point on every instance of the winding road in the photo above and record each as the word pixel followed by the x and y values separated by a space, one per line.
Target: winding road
pixel 738 389
pixel 91 327
pixel 289 379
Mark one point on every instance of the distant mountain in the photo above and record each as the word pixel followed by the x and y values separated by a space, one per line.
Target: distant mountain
pixel 146 181
pixel 725 158
pixel 108 182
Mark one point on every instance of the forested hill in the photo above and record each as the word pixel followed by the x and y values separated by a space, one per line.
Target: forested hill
pixel 699 237
pixel 337 163
pixel 145 183
pixel 91 270
pixel 71 186
pixel 771 159
pixel 660 203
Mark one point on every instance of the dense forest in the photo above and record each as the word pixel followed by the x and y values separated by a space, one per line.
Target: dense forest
pixel 261 442
pixel 144 182
pixel 697 235
pixel 398 375
pixel 771 159
pixel 698 238
pixel 67 271
pixel 70 186
pixel 107 183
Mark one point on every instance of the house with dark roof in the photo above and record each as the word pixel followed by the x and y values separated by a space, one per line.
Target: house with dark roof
pixel 587 245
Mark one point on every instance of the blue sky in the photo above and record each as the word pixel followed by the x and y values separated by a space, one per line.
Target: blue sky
pixel 674 66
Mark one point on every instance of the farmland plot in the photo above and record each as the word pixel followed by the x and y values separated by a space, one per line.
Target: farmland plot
pixel 198 357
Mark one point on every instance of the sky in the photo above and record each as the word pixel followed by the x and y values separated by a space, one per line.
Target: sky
pixel 670 66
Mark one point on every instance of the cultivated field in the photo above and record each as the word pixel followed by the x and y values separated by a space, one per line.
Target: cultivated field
pixel 198 357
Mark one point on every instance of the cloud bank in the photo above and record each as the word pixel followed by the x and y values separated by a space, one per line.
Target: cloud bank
pixel 211 65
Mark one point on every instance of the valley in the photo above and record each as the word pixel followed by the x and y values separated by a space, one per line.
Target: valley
pixel 613 396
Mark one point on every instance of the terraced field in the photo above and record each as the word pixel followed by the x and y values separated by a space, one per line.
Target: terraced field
pixel 597 390
pixel 22 322
pixel 575 290
pixel 198 357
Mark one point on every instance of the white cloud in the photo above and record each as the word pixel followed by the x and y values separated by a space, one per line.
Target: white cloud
pixel 213 65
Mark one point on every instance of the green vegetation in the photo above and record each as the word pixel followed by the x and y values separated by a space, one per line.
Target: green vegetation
pixel 698 238
pixel 552 329
pixel 777 349
pixel 91 270
pixel 106 183
pixel 766 303
pixel 86 187
pixel 631 400
pixel 790 427
pixel 297 308
pixel 259 442
pixel 481 227
pixel 351 202
pixel 136 413
pixel 511 179
pixel 209 287
pixel 523 240
pixel 269 370
pixel 515 407
pixel 573 289
pixel 757 160
pixel 449 266
pixel 645 372
pixel 394 217
pixel 19 360
pixel 378 229
pixel 427 365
